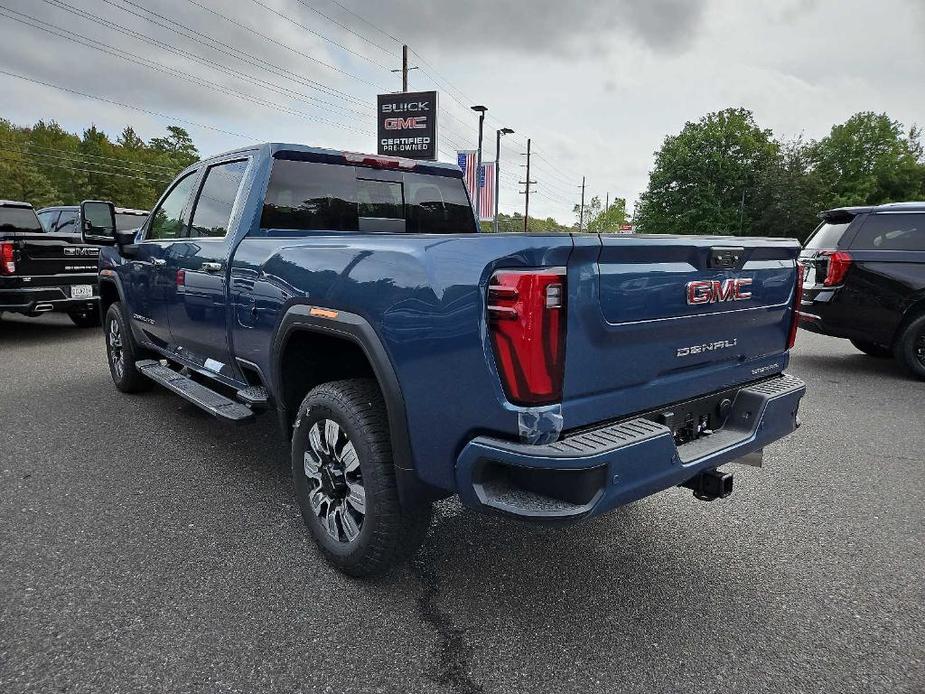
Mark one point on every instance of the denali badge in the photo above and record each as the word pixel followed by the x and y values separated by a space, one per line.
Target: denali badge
pixel 709 347
pixel 710 292
pixel 82 252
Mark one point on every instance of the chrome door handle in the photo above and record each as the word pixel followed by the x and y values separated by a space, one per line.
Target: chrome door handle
pixel 158 262
pixel 211 267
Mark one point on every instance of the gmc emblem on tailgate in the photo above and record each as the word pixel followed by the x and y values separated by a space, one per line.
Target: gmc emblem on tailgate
pixel 713 291
pixel 81 252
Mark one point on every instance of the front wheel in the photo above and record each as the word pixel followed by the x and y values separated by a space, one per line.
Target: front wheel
pixel 345 480
pixel 122 352
pixel 873 349
pixel 910 347
pixel 85 319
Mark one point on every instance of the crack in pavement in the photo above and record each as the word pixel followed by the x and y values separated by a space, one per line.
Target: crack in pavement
pixel 453 653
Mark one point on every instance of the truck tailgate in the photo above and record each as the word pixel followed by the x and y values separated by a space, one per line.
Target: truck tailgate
pixel 52 254
pixel 659 319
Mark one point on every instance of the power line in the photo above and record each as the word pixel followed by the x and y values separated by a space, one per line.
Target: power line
pixel 88 155
pixel 179 29
pixel 345 27
pixel 153 65
pixel 70 155
pixel 367 22
pixel 70 167
pixel 321 36
pixel 122 104
pixel 305 98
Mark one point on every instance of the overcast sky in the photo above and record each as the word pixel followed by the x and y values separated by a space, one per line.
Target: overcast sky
pixel 596 84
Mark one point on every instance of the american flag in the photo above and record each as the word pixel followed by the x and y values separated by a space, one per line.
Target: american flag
pixel 487 192
pixel 468 161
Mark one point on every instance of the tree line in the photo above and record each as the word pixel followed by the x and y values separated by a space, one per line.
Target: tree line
pixel 46 165
pixel 724 174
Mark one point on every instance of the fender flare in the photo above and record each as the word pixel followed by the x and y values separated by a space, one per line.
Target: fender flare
pixel 355 328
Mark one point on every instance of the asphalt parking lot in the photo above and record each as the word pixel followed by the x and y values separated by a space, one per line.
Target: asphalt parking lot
pixel 145 547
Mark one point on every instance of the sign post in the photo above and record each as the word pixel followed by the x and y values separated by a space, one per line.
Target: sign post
pixel 407 125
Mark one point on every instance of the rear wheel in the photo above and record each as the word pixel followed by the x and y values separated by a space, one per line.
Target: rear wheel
pixel 345 480
pixel 85 319
pixel 873 349
pixel 122 353
pixel 910 347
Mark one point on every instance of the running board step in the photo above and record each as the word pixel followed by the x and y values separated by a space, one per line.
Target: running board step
pixel 254 396
pixel 203 397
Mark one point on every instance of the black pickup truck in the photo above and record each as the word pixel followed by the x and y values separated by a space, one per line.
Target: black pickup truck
pixel 42 272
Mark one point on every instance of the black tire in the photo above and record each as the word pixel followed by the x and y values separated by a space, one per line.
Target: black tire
pixel 90 319
pixel 872 349
pixel 910 347
pixel 122 352
pixel 326 477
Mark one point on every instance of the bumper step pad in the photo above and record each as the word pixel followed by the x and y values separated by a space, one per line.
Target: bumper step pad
pixel 203 397
pixel 636 457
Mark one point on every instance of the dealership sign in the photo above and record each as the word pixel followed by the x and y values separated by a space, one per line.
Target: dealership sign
pixel 407 124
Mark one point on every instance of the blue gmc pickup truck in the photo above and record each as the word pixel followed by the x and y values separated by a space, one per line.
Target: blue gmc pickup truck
pixel 550 377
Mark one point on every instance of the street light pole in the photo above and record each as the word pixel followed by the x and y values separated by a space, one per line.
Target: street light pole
pixel 501 131
pixel 478 167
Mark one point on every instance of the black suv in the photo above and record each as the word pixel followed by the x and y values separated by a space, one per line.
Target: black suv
pixel 864 280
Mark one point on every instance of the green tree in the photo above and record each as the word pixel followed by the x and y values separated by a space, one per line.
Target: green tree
pixel 705 178
pixel 789 194
pixel 870 159
pixel 178 146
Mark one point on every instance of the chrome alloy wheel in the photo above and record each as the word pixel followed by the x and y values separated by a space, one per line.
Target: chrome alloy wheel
pixel 336 492
pixel 919 348
pixel 116 355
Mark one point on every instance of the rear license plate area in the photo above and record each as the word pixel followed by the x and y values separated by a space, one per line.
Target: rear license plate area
pixel 81 291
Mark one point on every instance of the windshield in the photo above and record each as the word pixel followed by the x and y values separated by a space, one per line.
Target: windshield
pixel 19 219
pixel 126 221
pixel 827 236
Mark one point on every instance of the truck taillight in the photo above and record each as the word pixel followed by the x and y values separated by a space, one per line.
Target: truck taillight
pixel 7 259
pixel 795 313
pixel 526 319
pixel 839 262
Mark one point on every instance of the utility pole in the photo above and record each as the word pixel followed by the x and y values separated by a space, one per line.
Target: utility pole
pixel 581 217
pixel 526 191
pixel 404 68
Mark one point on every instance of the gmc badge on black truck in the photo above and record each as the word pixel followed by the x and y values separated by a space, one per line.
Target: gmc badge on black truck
pixel 407 125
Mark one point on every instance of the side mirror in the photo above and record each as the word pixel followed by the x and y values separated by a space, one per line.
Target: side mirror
pixel 98 222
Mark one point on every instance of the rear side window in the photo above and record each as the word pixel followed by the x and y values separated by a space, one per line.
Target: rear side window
pixel 67 223
pixel 125 221
pixel 19 219
pixel 827 236
pixel 305 195
pixel 892 232
pixel 216 199
pixel 331 197
pixel 437 205
pixel 47 219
